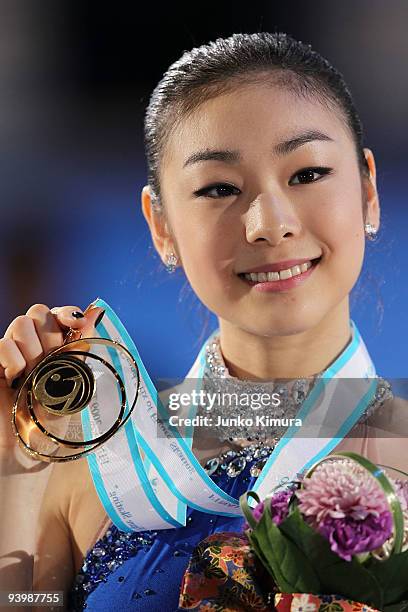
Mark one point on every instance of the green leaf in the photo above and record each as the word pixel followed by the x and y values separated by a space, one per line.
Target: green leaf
pixel 331 607
pixel 257 548
pixel 315 546
pixel 288 565
pixel 352 581
pixel 348 578
pixel 399 607
pixel 246 509
pixel 392 576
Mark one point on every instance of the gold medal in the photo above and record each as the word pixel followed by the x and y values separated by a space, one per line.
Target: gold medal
pixel 64 385
pixel 57 412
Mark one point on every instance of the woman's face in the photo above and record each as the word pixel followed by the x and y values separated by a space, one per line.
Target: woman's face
pixel 260 176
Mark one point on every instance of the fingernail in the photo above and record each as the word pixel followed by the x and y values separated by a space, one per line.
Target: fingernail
pixel 99 319
pixel 77 314
pixel 15 382
pixel 95 300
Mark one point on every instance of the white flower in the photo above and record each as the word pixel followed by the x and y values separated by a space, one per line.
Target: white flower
pixel 301 603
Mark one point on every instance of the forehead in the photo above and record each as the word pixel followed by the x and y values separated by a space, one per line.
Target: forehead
pixel 251 117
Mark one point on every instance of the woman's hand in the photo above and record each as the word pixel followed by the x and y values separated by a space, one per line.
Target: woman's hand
pixel 27 340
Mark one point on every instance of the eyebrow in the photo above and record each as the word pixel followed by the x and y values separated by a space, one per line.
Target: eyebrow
pixel 282 148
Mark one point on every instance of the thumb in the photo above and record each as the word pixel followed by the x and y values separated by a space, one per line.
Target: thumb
pixel 93 315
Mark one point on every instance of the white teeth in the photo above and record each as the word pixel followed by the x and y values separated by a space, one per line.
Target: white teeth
pixel 262 277
pixel 284 274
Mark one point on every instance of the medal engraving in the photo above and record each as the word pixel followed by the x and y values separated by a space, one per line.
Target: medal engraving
pixel 64 385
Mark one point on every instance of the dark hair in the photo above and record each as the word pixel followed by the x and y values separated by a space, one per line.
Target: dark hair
pixel 217 67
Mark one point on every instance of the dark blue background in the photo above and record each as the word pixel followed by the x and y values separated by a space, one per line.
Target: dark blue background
pixel 74 81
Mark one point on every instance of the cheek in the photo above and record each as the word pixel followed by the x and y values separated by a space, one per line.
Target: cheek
pixel 341 229
pixel 206 245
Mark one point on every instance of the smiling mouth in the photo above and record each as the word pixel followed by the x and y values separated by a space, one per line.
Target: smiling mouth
pixel 293 272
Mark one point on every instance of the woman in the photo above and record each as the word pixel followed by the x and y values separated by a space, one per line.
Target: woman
pixel 260 189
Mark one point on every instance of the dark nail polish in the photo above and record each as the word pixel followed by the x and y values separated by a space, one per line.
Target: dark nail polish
pixel 77 314
pixel 99 319
pixel 16 382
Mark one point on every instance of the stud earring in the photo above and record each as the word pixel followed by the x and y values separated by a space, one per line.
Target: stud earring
pixel 171 262
pixel 370 231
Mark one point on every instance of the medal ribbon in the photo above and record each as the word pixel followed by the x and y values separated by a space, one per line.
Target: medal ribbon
pixel 146 474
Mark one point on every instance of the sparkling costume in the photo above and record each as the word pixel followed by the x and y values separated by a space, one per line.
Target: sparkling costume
pixel 144 570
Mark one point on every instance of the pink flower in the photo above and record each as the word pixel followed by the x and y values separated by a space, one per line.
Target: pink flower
pixel 346 505
pixel 349 537
pixel 339 490
pixel 401 489
pixel 258 511
pixel 278 507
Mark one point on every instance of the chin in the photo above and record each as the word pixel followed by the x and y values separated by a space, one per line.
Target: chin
pixel 269 327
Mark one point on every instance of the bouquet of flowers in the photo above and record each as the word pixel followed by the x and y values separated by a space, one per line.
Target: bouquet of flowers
pixel 341 529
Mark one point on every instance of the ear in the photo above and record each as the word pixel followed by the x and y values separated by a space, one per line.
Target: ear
pixel 371 194
pixel 158 224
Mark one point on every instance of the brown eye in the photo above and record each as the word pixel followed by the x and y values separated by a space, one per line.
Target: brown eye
pixel 220 190
pixel 309 175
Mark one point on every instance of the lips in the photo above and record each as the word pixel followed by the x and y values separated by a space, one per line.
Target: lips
pixel 280 265
pixel 268 283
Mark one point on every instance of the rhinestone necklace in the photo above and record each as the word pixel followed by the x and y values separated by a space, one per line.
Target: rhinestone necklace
pixel 229 419
pixel 230 423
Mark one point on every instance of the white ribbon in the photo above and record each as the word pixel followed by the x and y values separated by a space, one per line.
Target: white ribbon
pixel 147 474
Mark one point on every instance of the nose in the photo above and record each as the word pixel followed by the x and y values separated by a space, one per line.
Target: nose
pixel 272 219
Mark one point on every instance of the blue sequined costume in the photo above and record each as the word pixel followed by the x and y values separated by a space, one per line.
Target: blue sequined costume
pixel 143 571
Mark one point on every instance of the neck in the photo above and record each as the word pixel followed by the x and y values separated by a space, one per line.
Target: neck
pixel 296 355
